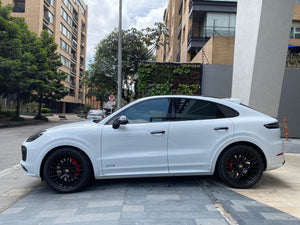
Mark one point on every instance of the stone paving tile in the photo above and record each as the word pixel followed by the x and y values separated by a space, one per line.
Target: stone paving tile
pixel 155 201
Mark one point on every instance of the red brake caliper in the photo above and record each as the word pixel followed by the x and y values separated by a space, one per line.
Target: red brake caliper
pixel 76 163
pixel 229 165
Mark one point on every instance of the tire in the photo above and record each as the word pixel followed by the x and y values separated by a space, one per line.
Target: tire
pixel 240 166
pixel 67 170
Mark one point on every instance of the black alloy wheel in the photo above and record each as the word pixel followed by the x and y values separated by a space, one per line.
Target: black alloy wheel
pixel 240 166
pixel 67 170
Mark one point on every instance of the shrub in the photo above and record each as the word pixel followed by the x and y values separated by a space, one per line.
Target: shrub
pixel 45 110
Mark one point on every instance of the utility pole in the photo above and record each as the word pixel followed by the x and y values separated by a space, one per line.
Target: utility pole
pixel 120 57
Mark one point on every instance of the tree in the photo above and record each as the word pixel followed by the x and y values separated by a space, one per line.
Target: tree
pixel 16 58
pixel 136 45
pixel 46 83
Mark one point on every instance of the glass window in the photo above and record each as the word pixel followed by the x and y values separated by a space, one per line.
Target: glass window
pixel 192 109
pixel 65 61
pixel 19 6
pixel 66 16
pixel 65 31
pixel 68 4
pixel 156 110
pixel 65 46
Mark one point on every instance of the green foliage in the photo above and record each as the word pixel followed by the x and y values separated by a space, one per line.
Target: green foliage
pixel 41 117
pixel 28 64
pixel 17 119
pixel 87 108
pixel 7 113
pixel 101 78
pixel 167 78
pixel 45 110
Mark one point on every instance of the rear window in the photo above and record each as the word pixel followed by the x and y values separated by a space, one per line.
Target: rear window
pixel 227 112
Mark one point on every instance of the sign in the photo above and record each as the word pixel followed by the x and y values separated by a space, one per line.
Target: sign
pixel 111 98
pixel 110 104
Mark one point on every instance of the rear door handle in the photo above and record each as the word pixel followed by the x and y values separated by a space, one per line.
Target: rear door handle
pixel 158 132
pixel 221 128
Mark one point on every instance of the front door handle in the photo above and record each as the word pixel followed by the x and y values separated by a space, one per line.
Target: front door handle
pixel 158 132
pixel 221 128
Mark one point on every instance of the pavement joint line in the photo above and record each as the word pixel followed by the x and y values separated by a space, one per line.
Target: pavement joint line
pixel 9 170
pixel 225 214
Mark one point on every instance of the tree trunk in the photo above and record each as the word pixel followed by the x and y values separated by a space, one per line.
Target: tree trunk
pixel 18 105
pixel 40 108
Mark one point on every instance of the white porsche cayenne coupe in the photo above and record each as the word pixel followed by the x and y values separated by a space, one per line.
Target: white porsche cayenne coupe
pixel 159 136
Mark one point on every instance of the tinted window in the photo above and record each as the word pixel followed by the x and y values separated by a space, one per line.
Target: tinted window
pixel 192 109
pixel 156 110
pixel 227 112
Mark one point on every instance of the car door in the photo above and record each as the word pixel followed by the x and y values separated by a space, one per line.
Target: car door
pixel 198 129
pixel 139 147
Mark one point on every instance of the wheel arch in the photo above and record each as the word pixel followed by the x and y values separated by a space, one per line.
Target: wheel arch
pixel 258 149
pixel 61 147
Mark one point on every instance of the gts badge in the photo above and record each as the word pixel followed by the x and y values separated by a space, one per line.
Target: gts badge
pixel 110 165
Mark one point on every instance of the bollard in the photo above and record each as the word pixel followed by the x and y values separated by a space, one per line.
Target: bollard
pixel 286 130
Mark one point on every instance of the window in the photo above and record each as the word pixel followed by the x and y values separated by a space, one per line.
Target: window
pixel 297 1
pixel 66 16
pixel 156 110
pixel 295 33
pixel 48 16
pixel 65 31
pixel 65 46
pixel 192 109
pixel 19 6
pixel 65 61
pixel 68 4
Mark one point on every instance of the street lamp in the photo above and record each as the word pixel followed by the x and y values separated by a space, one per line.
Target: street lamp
pixel 120 57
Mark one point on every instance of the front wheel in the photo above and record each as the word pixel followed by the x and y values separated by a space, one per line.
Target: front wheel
pixel 67 170
pixel 240 166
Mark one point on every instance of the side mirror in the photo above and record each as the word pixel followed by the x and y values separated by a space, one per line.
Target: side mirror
pixel 122 120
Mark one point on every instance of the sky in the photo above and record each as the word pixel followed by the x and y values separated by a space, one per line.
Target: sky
pixel 103 17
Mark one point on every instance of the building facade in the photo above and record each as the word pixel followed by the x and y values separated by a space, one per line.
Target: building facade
pixel 202 31
pixel 66 21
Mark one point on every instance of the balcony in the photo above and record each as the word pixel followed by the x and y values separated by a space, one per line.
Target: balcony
pixel 74 44
pixel 199 35
pixel 73 70
pixel 75 31
pixel 46 18
pixel 196 6
pixel 75 18
pixel 73 57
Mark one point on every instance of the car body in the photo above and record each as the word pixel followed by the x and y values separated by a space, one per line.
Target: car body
pixel 159 136
pixel 94 114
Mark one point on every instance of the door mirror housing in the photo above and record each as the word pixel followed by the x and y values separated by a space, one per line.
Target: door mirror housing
pixel 122 120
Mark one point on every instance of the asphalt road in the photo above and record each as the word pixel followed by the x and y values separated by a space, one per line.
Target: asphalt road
pixel 12 138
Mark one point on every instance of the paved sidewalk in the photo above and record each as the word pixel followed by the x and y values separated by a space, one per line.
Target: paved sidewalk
pixel 159 201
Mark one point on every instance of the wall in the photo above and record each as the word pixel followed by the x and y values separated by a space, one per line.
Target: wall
pixel 289 106
pixel 217 82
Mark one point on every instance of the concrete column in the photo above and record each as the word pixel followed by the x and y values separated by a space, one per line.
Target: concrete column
pixel 261 43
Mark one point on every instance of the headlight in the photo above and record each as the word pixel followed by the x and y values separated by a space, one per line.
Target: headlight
pixel 35 136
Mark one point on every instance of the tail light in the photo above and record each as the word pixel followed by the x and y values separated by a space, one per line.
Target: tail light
pixel 85 117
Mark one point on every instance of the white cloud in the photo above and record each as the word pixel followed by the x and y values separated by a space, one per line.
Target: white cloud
pixel 103 17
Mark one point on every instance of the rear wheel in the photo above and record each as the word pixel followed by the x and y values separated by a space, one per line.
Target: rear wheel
pixel 240 166
pixel 67 170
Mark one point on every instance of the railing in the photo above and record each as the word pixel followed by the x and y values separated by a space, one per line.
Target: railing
pixel 205 32
pixel 75 31
pixel 75 18
pixel 47 18
pixel 74 44
pixel 73 70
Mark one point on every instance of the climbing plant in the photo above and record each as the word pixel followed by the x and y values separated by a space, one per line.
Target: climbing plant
pixel 168 78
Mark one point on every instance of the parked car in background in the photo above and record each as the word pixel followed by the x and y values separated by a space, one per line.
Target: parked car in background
pixel 95 114
pixel 159 136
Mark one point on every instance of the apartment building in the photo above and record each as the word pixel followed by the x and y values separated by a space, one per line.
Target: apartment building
pixel 202 31
pixel 66 21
